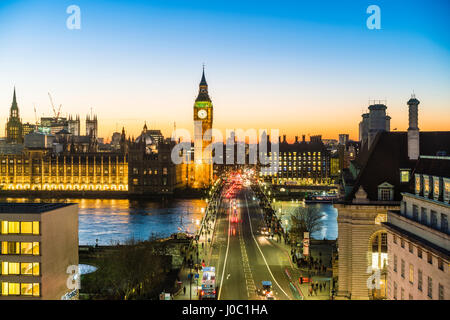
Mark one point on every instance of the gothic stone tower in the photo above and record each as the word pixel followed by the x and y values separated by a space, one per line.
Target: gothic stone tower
pixel 203 119
pixel 91 126
pixel 14 125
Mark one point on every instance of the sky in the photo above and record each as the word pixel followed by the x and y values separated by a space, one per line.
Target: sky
pixel 303 67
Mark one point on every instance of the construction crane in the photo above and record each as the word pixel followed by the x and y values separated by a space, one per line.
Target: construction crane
pixel 35 118
pixel 54 110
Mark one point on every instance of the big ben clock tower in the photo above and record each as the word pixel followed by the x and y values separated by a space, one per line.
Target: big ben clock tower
pixel 203 118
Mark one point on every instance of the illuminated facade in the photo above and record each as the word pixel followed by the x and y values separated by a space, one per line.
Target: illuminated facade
pixel 38 243
pixel 203 113
pixel 14 133
pixel 39 170
pixel 299 163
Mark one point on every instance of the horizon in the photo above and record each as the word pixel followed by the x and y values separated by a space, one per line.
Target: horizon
pixel 301 68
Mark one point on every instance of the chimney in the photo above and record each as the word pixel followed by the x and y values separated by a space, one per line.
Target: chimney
pixel 296 139
pixel 303 138
pixel 284 138
pixel 413 130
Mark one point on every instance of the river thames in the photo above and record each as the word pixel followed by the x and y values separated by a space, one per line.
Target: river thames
pixel 112 221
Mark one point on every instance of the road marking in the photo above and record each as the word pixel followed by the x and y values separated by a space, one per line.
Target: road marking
pixel 226 256
pixel 264 258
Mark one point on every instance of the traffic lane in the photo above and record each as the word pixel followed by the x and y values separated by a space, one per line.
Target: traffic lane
pixel 259 263
pixel 232 277
pixel 277 259
pixel 234 284
pixel 220 244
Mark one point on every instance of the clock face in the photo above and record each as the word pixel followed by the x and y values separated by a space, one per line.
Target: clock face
pixel 202 114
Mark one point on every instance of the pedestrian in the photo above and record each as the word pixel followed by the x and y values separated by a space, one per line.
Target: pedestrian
pixel 184 290
pixel 310 290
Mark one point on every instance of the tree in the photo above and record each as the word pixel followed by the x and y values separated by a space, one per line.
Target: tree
pixel 135 270
pixel 305 219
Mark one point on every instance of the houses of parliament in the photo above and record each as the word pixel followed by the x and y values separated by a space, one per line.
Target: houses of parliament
pixel 53 156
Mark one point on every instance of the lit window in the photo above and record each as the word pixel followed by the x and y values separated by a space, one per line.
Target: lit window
pixel 26 227
pixel 26 248
pixel 13 227
pixel 13 289
pixel 26 289
pixel 36 248
pixel 35 227
pixel 411 273
pixel 4 227
pixel 404 176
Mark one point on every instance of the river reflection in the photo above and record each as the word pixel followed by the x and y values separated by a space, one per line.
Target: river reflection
pixel 111 221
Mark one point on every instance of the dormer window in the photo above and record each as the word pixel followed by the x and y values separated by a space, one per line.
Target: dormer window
pixel 385 192
pixel 436 189
pixel 404 175
pixel 446 190
pixel 426 186
pixel 418 185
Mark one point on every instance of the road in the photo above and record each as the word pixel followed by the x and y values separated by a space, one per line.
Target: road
pixel 243 258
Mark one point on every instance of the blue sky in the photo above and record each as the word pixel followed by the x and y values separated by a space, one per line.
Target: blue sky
pixel 306 67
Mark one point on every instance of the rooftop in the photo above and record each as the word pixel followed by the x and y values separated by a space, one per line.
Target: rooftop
pixel 9 207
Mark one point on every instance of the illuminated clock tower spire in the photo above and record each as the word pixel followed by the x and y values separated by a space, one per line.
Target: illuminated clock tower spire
pixel 203 118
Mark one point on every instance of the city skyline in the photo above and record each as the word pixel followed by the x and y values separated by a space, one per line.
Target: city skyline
pixel 273 75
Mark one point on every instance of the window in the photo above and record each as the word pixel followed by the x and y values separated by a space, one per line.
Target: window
pixel 11 247
pixel 26 248
pixel 410 247
pixel 26 227
pixel 395 239
pixel 13 227
pixel 430 288
pixel 402 294
pixel 25 289
pixel 429 258
pixel 395 290
pixel 36 227
pixel 444 223
pixel 29 268
pixel 402 243
pixel 419 253
pixel 4 227
pixel 402 270
pixel 385 194
pixel 441 292
pixel 395 263
pixel 415 212
pixel 433 219
pixel 404 176
pixel 446 190
pixel 423 216
pixel 419 280
pixel 411 273
pixel 441 264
